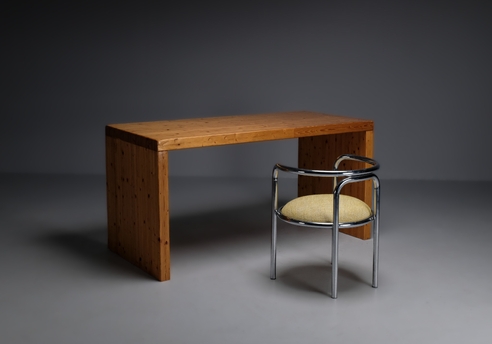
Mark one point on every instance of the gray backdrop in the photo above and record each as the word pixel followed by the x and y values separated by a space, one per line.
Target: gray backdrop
pixel 421 70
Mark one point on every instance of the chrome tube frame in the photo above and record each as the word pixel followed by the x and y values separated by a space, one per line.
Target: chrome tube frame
pixel 337 226
pixel 273 250
pixel 351 176
pixel 375 230
pixel 352 157
pixel 334 173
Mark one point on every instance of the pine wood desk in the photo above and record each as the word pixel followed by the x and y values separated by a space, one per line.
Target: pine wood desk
pixel 137 170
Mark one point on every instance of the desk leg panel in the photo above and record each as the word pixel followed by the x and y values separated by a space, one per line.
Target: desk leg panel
pixel 138 206
pixel 320 152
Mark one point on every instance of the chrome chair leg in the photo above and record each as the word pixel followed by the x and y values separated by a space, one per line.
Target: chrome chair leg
pixel 334 263
pixel 273 249
pixel 375 236
pixel 375 260
pixel 273 253
pixel 334 246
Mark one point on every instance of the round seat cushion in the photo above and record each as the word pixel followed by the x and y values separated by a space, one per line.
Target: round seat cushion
pixel 319 208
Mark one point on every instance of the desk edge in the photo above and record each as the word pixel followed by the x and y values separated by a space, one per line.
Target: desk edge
pixel 245 137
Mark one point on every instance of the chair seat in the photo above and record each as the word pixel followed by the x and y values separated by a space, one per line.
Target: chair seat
pixel 319 208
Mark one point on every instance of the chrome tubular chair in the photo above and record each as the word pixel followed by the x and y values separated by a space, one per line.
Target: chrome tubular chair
pixel 333 211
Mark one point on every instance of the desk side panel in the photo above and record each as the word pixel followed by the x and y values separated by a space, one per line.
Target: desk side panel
pixel 320 152
pixel 138 207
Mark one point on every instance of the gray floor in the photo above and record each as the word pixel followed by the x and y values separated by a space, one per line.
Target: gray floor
pixel 60 284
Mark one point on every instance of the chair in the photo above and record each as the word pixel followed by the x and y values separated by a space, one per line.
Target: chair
pixel 333 211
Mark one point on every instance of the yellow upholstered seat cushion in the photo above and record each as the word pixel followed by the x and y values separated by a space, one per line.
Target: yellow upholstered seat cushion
pixel 319 208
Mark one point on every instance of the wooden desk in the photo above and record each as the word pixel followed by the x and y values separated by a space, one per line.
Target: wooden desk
pixel 137 170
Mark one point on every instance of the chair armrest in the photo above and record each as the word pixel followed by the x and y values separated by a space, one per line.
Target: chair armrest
pixel 374 163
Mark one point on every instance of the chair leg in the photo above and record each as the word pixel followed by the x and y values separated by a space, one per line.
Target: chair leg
pixel 375 254
pixel 273 252
pixel 375 239
pixel 334 242
pixel 334 263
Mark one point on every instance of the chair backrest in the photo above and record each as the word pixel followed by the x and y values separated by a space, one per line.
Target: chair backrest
pixel 355 173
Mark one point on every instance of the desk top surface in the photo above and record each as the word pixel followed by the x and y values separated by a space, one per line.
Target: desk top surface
pixel 215 131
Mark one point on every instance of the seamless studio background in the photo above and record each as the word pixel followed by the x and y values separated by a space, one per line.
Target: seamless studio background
pixel 421 70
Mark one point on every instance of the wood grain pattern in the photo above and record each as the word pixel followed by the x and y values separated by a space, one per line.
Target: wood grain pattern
pixel 138 207
pixel 320 152
pixel 203 132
